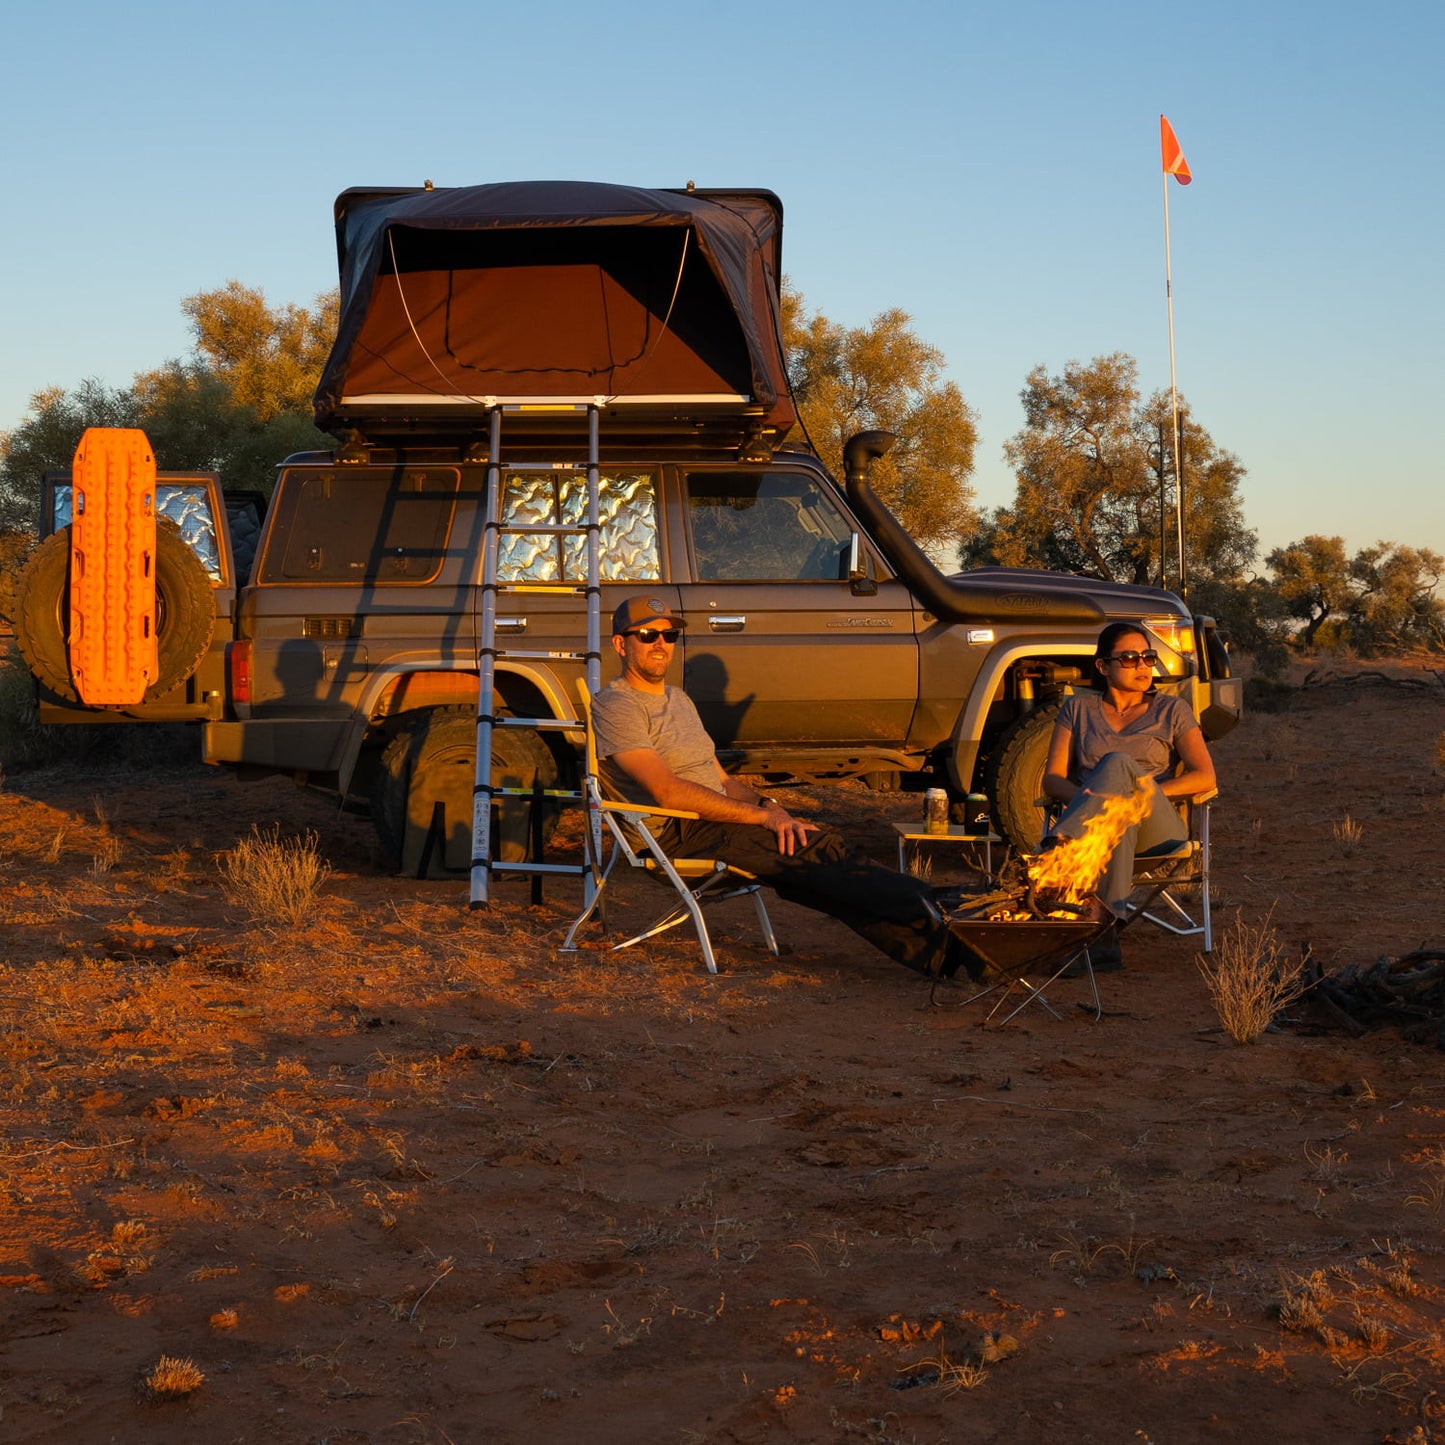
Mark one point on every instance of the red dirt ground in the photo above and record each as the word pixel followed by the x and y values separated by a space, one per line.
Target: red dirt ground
pixel 408 1174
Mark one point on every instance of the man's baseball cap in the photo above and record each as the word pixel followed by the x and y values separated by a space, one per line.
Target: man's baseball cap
pixel 644 611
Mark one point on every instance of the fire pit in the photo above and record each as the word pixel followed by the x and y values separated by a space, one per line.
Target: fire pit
pixel 1013 931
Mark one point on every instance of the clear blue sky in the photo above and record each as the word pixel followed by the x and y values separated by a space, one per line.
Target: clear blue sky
pixel 994 170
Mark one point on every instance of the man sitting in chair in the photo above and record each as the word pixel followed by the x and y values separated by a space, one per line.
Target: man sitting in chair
pixel 652 749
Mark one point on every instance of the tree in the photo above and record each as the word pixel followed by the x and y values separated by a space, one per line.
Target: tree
pixel 46 440
pixel 1381 599
pixel 1095 483
pixel 269 357
pixel 850 379
pixel 1313 579
pixel 237 406
pixel 1394 604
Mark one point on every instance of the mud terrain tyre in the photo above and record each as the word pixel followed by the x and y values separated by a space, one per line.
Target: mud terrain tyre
pixel 1015 777
pixel 185 612
pixel 435 762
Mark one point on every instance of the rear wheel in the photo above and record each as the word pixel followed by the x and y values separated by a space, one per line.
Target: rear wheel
pixel 433 765
pixel 1015 777
pixel 185 612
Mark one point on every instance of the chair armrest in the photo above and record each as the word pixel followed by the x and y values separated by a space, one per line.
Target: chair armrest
pixel 646 810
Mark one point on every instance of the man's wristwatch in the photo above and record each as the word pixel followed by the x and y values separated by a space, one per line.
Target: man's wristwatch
pixel 768 802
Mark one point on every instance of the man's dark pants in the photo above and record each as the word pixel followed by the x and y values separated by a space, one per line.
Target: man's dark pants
pixel 893 911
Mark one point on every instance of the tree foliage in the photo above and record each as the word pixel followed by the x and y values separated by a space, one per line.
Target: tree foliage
pixel 884 376
pixel 1095 484
pixel 270 358
pixel 1312 579
pixel 1381 599
pixel 238 405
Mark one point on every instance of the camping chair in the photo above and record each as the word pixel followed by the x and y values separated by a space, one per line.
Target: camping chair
pixel 1167 876
pixel 696 882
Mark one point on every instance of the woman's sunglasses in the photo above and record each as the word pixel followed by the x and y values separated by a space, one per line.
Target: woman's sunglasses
pixel 649 635
pixel 1133 659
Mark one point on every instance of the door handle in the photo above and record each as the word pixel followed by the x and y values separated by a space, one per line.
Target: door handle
pixel 727 624
pixel 511 624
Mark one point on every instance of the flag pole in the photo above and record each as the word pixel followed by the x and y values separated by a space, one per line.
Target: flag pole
pixel 1172 163
pixel 1173 405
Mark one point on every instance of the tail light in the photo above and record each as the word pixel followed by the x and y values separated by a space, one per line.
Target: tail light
pixel 238 660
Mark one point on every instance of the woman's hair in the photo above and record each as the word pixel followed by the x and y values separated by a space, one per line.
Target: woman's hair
pixel 1108 641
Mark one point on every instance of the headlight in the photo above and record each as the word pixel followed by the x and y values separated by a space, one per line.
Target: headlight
pixel 1177 636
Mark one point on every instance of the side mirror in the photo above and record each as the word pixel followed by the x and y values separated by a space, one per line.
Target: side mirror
pixel 860 583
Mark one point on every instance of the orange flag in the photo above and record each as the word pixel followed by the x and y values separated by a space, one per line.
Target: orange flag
pixel 1174 163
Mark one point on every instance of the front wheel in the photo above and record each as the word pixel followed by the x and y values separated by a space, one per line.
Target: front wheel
pixel 422 802
pixel 1014 777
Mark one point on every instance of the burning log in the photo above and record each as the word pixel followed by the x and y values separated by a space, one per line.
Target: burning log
pixel 1408 991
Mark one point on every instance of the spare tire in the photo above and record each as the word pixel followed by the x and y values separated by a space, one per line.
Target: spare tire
pixel 185 612
pixel 434 762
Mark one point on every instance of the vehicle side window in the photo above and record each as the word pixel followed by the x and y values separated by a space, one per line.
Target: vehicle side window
pixel 627 510
pixel 362 524
pixel 765 527
pixel 187 504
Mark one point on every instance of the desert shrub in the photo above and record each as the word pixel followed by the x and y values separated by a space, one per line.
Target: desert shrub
pixel 171 1378
pixel 26 742
pixel 1250 979
pixel 274 880
pixel 1265 694
pixel 1272 660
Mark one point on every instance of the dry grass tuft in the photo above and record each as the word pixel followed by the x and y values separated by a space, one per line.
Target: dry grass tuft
pixel 1303 1302
pixel 274 880
pixel 172 1379
pixel 1347 834
pixel 1249 979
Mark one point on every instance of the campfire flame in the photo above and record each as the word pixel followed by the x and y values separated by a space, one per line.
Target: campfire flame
pixel 1071 870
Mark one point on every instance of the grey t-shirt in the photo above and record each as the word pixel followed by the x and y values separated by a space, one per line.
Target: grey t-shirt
pixel 1152 738
pixel 624 717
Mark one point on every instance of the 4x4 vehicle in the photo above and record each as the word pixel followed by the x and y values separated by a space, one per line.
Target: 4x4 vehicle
pixel 481 324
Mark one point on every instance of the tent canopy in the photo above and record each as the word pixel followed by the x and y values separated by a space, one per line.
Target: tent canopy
pixel 655 302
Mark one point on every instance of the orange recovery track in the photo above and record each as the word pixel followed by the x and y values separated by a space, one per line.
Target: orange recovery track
pixel 113 654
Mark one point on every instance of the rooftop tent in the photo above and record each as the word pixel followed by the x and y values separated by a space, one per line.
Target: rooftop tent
pixel 657 302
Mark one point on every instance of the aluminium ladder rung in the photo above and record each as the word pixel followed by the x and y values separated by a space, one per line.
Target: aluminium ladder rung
pixel 557 468
pixel 571 795
pixel 559 589
pixel 576 870
pixel 550 529
pixel 543 653
pixel 553 724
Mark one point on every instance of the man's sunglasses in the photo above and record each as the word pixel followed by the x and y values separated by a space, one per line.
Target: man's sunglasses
pixel 649 635
pixel 1133 659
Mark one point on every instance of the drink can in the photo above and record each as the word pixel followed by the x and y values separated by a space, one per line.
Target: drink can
pixel 935 811
pixel 975 813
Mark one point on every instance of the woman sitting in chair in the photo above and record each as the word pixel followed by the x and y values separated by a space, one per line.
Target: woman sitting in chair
pixel 1105 743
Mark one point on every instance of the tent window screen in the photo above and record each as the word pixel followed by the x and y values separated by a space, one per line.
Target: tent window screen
pixel 765 527
pixel 364 524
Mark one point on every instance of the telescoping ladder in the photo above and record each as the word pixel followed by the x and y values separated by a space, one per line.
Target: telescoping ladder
pixel 489 654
